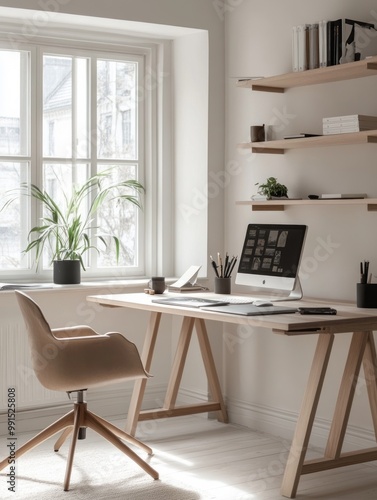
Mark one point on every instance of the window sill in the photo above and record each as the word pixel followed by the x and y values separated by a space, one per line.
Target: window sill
pixel 110 286
pixel 98 287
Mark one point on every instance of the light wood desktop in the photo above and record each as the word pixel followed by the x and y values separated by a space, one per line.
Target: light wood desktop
pixel 362 351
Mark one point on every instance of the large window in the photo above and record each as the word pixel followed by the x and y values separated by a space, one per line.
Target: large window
pixel 66 115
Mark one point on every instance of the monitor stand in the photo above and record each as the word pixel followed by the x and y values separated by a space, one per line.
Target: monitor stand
pixel 295 294
pixel 259 294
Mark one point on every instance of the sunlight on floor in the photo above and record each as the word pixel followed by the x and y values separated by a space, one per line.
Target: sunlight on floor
pixel 172 458
pixel 223 490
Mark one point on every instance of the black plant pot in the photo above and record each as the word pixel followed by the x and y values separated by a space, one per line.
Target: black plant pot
pixel 67 272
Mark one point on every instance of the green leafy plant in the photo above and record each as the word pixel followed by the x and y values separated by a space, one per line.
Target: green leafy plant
pixel 67 231
pixel 272 188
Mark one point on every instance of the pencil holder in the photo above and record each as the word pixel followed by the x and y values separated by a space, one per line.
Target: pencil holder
pixel 222 285
pixel 366 295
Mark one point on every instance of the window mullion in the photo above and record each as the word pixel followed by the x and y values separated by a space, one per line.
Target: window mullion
pixel 74 112
pixel 93 115
pixel 37 119
pixel 93 136
pixel 35 140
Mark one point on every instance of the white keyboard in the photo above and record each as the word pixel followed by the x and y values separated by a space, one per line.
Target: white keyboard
pixel 244 299
pixel 234 299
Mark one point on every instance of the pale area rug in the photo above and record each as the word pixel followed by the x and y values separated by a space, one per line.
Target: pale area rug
pixel 104 473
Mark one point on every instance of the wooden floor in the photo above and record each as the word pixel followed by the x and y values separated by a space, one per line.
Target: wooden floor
pixel 242 464
pixel 228 462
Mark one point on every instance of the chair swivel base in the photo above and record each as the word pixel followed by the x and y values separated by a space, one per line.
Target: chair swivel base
pixel 71 423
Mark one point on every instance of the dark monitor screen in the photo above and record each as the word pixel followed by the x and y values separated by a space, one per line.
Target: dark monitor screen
pixel 271 256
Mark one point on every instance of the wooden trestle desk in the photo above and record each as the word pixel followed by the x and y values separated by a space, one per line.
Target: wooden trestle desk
pixel 362 351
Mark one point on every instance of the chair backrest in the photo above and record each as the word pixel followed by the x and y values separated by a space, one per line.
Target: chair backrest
pixel 41 340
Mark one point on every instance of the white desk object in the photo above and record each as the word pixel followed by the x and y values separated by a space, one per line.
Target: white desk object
pixel 362 351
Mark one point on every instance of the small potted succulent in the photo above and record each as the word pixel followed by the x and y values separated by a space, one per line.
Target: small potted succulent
pixel 271 188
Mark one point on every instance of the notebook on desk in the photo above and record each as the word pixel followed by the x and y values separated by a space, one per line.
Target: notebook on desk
pixel 250 309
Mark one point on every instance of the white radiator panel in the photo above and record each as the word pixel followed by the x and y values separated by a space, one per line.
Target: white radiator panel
pixel 16 371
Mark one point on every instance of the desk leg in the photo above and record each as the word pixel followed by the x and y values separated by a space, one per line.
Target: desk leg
pixel 370 373
pixel 179 363
pixel 209 364
pixel 217 403
pixel 362 350
pixel 169 409
pixel 306 418
pixel 139 387
pixel 346 394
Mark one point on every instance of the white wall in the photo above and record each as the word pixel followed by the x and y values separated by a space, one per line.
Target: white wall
pixel 258 43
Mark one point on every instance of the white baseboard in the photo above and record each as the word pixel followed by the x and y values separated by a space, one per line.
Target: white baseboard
pixel 282 423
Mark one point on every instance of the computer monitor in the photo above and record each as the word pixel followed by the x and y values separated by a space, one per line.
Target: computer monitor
pixel 270 259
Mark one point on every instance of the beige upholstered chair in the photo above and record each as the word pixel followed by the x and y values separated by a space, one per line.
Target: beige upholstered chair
pixel 76 359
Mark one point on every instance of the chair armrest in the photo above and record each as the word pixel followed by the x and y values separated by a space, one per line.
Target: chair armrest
pixel 73 331
pixel 85 338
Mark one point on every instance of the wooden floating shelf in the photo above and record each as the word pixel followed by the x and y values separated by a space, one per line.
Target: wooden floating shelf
pixel 281 145
pixel 348 71
pixel 279 205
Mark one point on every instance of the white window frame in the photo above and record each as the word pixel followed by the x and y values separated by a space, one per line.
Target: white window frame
pixel 152 247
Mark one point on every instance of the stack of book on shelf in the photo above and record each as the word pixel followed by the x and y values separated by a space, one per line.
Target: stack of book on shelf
pixel 349 123
pixel 327 43
pixel 305 47
pixel 343 196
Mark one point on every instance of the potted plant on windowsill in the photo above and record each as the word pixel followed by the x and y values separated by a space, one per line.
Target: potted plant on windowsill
pixel 67 232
